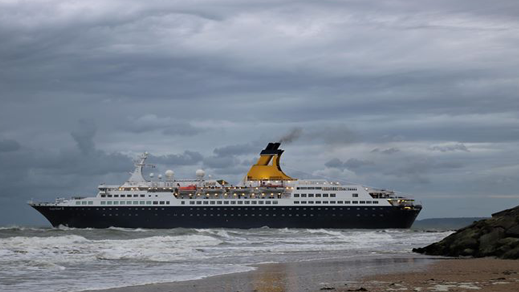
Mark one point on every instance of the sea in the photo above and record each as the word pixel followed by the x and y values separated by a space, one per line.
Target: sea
pixel 67 259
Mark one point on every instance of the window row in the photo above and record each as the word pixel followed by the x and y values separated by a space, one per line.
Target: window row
pixel 336 202
pixel 312 195
pixel 125 196
pixel 233 197
pixel 236 208
pixel 252 215
pixel 327 188
pixel 135 202
pixel 231 202
pixel 334 189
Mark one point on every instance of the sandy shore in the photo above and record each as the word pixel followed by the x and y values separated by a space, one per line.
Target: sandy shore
pixel 406 273
pixel 485 274
pixel 294 276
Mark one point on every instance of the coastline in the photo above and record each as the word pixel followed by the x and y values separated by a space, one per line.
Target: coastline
pixel 452 274
pixel 314 275
pixel 392 273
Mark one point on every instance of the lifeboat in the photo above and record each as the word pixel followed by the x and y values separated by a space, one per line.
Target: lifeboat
pixel 188 188
pixel 272 186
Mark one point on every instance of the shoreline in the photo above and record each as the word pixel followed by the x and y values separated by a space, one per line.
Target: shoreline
pixel 452 274
pixel 312 275
pixel 373 273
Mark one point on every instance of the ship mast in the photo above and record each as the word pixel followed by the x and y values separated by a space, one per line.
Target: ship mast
pixel 136 178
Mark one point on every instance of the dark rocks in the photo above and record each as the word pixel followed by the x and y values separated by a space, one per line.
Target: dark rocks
pixel 513 231
pixel 497 237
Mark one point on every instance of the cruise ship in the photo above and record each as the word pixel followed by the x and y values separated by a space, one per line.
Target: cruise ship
pixel 265 197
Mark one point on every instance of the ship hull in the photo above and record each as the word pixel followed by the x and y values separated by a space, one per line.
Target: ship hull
pixel 228 217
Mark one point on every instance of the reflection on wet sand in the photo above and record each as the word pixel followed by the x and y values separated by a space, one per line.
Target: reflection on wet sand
pixel 288 277
pixel 276 279
pixel 338 274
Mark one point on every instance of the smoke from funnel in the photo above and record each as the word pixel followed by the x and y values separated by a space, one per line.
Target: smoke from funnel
pixel 291 136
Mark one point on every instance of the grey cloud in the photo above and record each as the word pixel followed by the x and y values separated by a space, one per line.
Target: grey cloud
pixel 166 125
pixel 447 148
pixel 352 164
pixel 8 145
pixel 430 74
pixel 84 136
pixel 218 162
pixel 416 169
pixel 388 151
pixel 249 162
pixel 338 135
pixel 38 172
pixel 238 149
pixel 232 174
pixel 89 161
pixel 334 135
pixel 182 130
pixel 335 163
pixel 186 158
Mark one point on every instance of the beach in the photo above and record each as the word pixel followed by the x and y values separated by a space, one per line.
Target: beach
pixel 482 274
pixel 407 273
pixel 312 275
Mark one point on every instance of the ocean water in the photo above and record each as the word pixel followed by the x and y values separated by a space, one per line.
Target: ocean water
pixel 64 259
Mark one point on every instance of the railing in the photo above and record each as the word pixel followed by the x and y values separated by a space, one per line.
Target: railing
pixel 55 203
pixel 32 203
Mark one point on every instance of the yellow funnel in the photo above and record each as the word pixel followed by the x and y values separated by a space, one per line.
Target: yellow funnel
pixel 267 167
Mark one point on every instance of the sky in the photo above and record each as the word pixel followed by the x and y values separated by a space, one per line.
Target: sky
pixel 421 97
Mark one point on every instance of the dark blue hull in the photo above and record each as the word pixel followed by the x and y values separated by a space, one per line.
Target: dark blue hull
pixel 230 217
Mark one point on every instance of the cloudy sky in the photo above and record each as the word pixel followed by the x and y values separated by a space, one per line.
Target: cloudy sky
pixel 417 96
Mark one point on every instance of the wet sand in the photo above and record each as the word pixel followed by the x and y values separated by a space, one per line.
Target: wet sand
pixel 294 277
pixel 406 273
pixel 485 274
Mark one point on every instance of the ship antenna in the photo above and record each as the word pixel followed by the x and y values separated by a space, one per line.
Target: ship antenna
pixel 136 177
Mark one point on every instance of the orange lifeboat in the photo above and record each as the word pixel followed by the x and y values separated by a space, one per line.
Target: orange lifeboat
pixel 272 186
pixel 188 188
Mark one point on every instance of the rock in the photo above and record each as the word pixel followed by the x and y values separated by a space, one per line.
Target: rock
pixel 510 241
pixel 461 244
pixel 467 252
pixel 488 242
pixel 506 244
pixel 497 236
pixel 511 254
pixel 513 231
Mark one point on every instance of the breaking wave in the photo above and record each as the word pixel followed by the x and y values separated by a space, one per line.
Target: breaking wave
pixel 115 257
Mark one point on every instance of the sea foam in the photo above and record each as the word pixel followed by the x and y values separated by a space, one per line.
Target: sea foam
pixel 32 259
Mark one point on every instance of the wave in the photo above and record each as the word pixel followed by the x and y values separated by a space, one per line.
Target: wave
pixel 23 228
pixel 139 256
pixel 129 229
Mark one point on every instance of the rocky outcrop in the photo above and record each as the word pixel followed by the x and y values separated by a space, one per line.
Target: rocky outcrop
pixel 494 237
